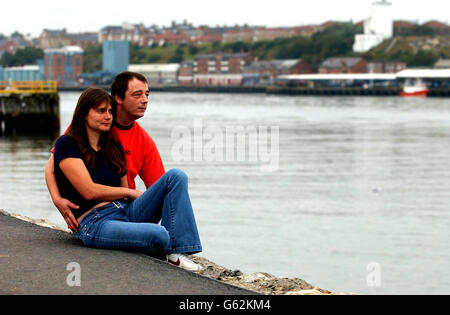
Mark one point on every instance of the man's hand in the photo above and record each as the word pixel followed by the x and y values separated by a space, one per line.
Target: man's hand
pixel 135 194
pixel 65 208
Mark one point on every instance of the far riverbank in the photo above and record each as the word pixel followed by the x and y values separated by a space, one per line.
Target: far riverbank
pixel 317 91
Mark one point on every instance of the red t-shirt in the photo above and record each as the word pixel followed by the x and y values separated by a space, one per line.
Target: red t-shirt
pixel 141 154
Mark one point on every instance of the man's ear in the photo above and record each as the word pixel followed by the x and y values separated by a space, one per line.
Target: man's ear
pixel 118 99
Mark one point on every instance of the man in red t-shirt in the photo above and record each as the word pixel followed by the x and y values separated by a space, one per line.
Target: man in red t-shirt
pixel 130 91
pixel 167 192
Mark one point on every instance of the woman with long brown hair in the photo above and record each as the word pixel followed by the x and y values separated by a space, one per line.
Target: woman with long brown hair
pixel 90 170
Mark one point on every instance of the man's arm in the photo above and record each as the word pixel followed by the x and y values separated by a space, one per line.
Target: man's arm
pixel 63 205
pixel 153 167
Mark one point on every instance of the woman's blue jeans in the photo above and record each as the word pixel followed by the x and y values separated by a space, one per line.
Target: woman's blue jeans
pixel 133 225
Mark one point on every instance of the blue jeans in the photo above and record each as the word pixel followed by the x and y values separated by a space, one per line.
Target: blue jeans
pixel 133 225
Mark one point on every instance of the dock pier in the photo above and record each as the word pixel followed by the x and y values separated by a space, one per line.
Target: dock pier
pixel 28 106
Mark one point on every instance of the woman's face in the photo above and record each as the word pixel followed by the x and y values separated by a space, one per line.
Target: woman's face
pixel 100 118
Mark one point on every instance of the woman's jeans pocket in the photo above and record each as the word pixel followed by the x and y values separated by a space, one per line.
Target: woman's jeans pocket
pixel 87 227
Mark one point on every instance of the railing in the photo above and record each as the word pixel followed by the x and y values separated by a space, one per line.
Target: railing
pixel 28 87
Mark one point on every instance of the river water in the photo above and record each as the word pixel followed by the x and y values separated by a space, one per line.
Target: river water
pixel 350 194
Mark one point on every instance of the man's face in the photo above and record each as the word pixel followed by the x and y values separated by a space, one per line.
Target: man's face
pixel 136 99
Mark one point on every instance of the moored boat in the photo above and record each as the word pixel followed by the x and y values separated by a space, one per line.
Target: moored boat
pixel 418 88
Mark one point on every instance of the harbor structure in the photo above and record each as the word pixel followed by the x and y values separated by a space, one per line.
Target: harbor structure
pixel 436 81
pixel 377 28
pixel 116 55
pixel 25 73
pixel 29 106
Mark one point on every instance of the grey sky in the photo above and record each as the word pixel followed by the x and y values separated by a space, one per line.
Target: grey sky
pixel 91 15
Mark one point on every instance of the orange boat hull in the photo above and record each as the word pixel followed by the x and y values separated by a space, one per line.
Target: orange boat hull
pixel 417 93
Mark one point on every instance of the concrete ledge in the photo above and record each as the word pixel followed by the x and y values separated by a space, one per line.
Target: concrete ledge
pixel 35 260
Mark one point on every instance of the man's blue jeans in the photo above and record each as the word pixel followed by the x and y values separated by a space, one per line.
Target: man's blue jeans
pixel 133 225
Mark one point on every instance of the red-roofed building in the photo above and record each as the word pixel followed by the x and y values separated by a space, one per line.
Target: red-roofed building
pixel 404 27
pixel 438 27
pixel 344 65
pixel 171 38
pixel 238 35
pixel 208 38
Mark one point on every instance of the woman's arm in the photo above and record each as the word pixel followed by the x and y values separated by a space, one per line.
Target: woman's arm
pixel 77 174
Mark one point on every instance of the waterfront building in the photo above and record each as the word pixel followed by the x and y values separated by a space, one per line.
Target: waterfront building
pixel 442 64
pixel 157 73
pixel 186 73
pixel 343 65
pixel 24 73
pixel 63 65
pixel 116 55
pixel 220 68
pixel 385 67
pixel 266 71
pixel 377 28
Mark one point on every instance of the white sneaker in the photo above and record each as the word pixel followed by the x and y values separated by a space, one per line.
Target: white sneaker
pixel 183 262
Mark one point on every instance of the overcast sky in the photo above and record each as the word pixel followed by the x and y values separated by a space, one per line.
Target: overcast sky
pixel 31 17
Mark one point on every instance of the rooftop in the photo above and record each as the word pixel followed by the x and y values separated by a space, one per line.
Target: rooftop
pixel 154 67
pixel 64 50
pixel 339 62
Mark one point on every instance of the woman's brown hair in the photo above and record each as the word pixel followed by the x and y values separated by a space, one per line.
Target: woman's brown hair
pixel 111 150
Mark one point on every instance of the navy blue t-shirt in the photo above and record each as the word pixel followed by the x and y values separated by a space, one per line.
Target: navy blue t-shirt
pixel 103 173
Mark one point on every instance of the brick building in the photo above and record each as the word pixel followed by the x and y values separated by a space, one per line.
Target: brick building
pixel 404 28
pixel 11 44
pixel 344 65
pixel 186 73
pixel 61 38
pixel 136 34
pixel 266 72
pixel 220 69
pixel 54 39
pixel 171 38
pixel 63 65
pixel 238 35
pixel 385 67
pixel 438 27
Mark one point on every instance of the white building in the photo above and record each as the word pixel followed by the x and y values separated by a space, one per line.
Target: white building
pixel 157 73
pixel 377 28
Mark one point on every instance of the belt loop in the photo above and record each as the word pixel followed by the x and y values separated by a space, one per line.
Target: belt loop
pixel 117 204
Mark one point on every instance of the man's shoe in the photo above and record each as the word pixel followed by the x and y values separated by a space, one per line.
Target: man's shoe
pixel 183 262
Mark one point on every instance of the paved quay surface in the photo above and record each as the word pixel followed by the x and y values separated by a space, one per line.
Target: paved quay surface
pixel 39 260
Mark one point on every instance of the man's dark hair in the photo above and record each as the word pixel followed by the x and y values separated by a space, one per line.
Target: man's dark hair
pixel 120 83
